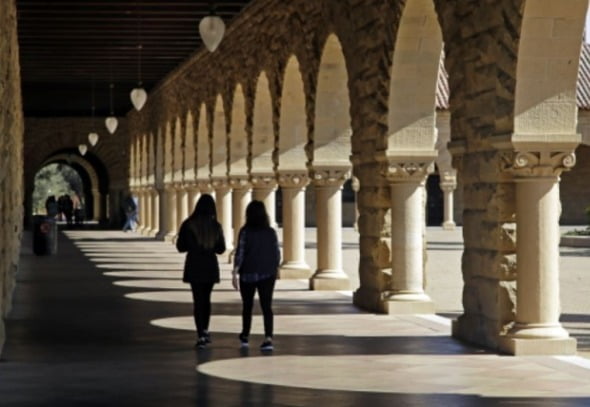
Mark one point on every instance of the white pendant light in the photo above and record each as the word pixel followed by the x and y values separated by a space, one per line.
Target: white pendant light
pixel 93 138
pixel 111 122
pixel 211 29
pixel 82 148
pixel 138 98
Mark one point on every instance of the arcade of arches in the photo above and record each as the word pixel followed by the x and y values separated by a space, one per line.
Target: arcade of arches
pixel 305 94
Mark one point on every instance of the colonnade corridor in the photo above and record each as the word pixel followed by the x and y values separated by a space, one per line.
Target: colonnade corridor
pixel 107 321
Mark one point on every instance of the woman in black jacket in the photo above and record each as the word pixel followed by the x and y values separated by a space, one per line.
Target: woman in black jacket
pixel 201 236
pixel 256 261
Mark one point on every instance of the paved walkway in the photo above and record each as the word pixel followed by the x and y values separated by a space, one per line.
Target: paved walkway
pixel 108 322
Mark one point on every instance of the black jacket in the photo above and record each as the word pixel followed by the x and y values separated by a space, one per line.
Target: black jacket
pixel 201 265
pixel 257 251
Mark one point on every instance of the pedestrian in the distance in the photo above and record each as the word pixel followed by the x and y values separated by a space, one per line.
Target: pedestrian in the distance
pixel 202 238
pixel 255 269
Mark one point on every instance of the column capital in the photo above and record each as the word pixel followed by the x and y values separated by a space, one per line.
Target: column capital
pixel 263 180
pixel 293 179
pixel 240 182
pixel 220 183
pixel 330 176
pixel 409 169
pixel 537 164
pixel 204 186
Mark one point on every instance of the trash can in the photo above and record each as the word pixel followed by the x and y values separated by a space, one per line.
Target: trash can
pixel 44 235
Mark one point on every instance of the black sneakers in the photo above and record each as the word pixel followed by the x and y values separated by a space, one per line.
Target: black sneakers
pixel 243 340
pixel 201 343
pixel 266 345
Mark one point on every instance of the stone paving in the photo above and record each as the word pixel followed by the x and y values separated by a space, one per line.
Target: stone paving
pixel 108 322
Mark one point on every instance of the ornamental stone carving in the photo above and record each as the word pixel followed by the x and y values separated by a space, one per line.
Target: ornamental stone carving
pixel 412 170
pixel 538 163
pixel 239 183
pixel 204 186
pixel 330 176
pixel 267 180
pixel 293 179
pixel 220 183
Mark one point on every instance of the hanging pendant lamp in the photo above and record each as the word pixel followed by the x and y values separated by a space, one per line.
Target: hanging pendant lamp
pixel 93 135
pixel 212 29
pixel 93 138
pixel 111 122
pixel 82 148
pixel 138 95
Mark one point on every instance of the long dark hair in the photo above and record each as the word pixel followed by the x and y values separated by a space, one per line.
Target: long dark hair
pixel 203 222
pixel 256 216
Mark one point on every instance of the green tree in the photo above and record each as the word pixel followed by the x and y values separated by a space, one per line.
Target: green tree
pixel 57 180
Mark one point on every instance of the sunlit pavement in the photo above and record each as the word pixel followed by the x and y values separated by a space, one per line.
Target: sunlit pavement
pixel 108 322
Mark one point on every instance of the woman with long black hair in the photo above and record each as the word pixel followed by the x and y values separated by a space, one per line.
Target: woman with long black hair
pixel 256 263
pixel 201 236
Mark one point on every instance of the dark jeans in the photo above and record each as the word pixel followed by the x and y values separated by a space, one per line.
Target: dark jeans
pixel 265 289
pixel 202 306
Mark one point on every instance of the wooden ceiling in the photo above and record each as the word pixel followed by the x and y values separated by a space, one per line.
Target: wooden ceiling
pixel 72 49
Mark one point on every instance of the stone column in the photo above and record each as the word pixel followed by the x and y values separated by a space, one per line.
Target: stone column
pixel 147 216
pixel 537 329
pixel 141 214
pixel 205 187
pixel 328 187
pixel 182 205
pixel 96 204
pixel 223 203
pixel 264 187
pixel 408 194
pixel 155 213
pixel 293 188
pixel 241 196
pixel 448 185
pixel 171 212
pixel 193 198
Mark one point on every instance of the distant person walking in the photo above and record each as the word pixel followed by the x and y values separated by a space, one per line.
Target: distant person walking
pixel 201 236
pixel 255 269
pixel 130 209
pixel 51 206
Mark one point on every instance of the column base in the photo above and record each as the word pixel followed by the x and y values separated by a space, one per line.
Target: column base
pixel 537 346
pixel 449 225
pixel 408 303
pixel 369 299
pixel 153 233
pixel 294 271
pixel 329 280
pixel 169 237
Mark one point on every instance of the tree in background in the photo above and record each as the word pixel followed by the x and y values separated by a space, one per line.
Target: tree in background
pixel 55 179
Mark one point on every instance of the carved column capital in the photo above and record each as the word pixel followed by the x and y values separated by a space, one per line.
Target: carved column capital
pixel 409 169
pixel 330 176
pixel 204 186
pixel 448 181
pixel 294 179
pixel 535 164
pixel 240 183
pixel 263 180
pixel 220 183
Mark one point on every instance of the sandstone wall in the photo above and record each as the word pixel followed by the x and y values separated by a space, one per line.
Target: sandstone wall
pixel 575 191
pixel 11 153
pixel 47 137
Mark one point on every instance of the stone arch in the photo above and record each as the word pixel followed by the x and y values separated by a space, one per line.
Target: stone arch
pixel 219 141
pixel 238 137
pixel 292 123
pixel 414 75
pixel 168 153
pixel 93 174
pixel 332 128
pixel 263 142
pixel 203 146
pixel 189 148
pixel 178 156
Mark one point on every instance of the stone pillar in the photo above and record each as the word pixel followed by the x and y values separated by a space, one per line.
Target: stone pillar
pixel 95 204
pixel 182 205
pixel 241 196
pixel 448 185
pixel 193 198
pixel 264 187
pixel 205 187
pixel 537 329
pixel 141 210
pixel 328 187
pixel 293 188
pixel 170 211
pixel 224 211
pixel 408 194
pixel 155 213
pixel 147 215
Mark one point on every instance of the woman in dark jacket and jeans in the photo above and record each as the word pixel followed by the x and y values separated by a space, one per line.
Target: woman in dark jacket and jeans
pixel 201 236
pixel 256 261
